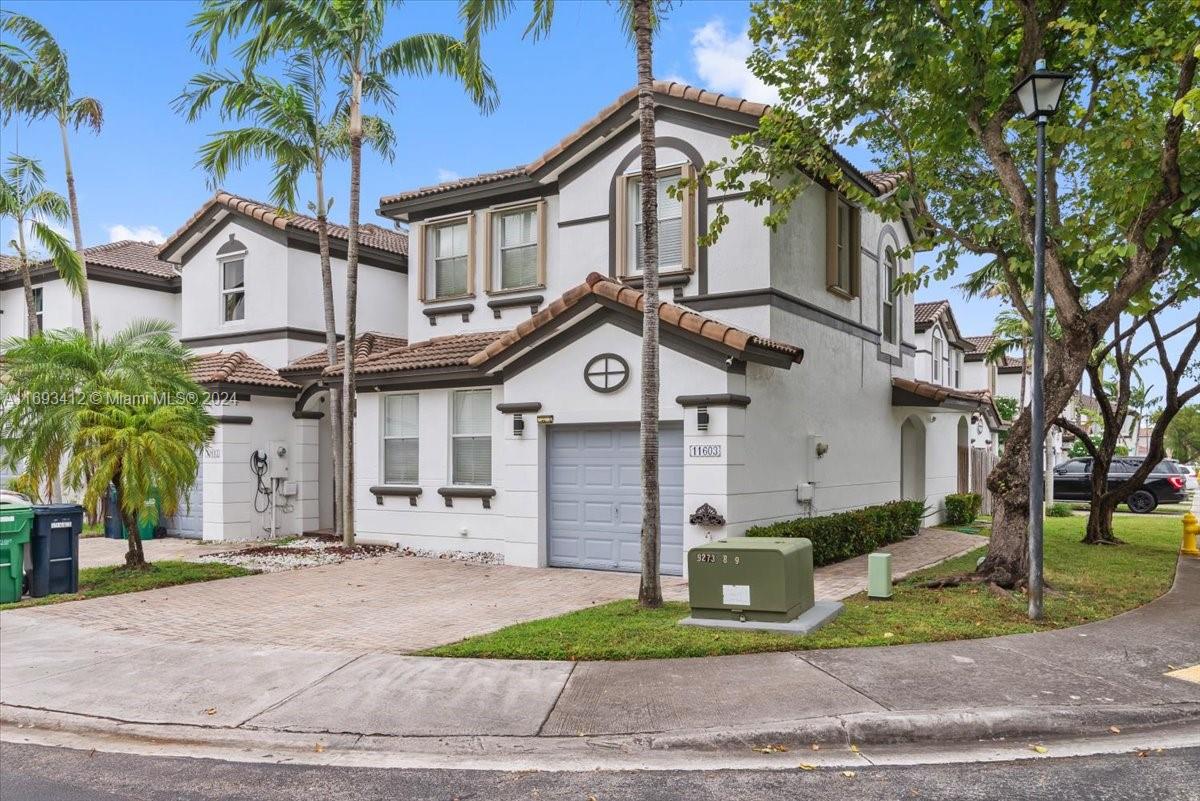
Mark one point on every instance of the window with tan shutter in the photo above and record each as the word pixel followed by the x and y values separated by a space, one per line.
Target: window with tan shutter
pixel 447 255
pixel 676 223
pixel 516 248
pixel 843 246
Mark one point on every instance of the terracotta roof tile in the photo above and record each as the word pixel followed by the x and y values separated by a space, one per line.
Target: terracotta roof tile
pixel 369 234
pixel 882 181
pixel 938 393
pixel 449 351
pixel 368 344
pixel 236 367
pixel 128 254
pixel 924 313
pixel 670 314
pixel 980 345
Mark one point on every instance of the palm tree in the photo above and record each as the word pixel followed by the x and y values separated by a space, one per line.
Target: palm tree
pixel 25 200
pixel 640 19
pixel 37 84
pixel 57 376
pixel 291 127
pixel 141 448
pixel 348 37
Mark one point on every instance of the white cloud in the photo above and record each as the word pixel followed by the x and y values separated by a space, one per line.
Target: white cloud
pixel 720 59
pixel 139 233
pixel 444 175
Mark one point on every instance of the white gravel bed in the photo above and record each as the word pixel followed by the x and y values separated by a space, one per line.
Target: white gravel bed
pixel 311 552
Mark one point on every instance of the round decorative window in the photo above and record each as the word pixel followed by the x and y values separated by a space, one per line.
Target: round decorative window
pixel 607 372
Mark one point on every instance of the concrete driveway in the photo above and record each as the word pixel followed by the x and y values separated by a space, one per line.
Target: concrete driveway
pixel 395 604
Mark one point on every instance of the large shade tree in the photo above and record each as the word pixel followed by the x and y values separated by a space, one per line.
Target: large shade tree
pixel 35 82
pixel 639 19
pixel 292 124
pixel 34 210
pixel 928 88
pixel 348 37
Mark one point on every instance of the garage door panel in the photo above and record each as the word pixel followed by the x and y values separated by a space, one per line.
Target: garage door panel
pixel 594 477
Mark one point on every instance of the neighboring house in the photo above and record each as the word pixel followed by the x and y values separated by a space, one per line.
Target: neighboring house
pixel 127 281
pixel 510 422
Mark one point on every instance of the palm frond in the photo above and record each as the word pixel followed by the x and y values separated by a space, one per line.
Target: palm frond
pixel 85 112
pixel 441 54
pixel 64 258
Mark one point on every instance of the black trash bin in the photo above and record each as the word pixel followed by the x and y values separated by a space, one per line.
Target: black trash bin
pixel 54 549
pixel 114 529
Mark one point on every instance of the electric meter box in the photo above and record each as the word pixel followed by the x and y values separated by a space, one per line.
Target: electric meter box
pixel 751 578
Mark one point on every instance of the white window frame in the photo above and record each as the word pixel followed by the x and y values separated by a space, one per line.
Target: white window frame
pixel 958 365
pixel 494 277
pixel 626 238
pixel 473 435
pixel 226 291
pixel 39 308
pixel 384 437
pixel 428 275
pixel 938 352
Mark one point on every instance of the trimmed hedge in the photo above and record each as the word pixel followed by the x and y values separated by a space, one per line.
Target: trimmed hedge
pixel 962 509
pixel 848 534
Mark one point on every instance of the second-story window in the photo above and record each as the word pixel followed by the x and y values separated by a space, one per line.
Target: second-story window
pixel 842 246
pixel 448 260
pixel 517 258
pixel 891 272
pixel 939 352
pixel 958 360
pixel 233 290
pixel 676 224
pixel 39 307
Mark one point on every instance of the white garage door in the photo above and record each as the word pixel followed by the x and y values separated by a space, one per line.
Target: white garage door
pixel 595 497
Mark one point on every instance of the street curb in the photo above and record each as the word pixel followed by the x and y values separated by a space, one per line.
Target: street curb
pixel 945 726
pixel 836 734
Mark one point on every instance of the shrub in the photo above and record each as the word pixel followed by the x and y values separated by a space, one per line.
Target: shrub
pixel 963 508
pixel 848 534
pixel 1059 510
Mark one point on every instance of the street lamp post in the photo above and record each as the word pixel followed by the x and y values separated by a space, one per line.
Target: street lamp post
pixel 1039 94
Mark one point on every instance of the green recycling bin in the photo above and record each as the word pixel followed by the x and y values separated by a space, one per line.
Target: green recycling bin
pixel 16 519
pixel 115 528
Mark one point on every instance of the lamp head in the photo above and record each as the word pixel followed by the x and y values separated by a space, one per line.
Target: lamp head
pixel 1041 92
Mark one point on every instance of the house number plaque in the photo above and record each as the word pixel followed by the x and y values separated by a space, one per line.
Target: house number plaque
pixel 704 451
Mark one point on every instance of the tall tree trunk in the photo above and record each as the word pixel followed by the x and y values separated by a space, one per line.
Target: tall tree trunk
pixel 348 399
pixel 650 590
pixel 335 397
pixel 1007 561
pixel 85 299
pixel 31 324
pixel 1100 517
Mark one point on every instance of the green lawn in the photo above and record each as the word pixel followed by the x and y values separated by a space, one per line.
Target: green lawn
pixel 1089 583
pixel 95 582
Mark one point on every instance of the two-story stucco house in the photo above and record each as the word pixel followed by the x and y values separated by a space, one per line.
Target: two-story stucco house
pixel 789 377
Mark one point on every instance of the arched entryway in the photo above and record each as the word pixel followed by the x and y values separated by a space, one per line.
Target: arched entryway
pixel 313 404
pixel 964 455
pixel 912 459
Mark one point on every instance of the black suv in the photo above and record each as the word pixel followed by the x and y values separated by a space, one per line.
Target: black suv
pixel 1165 484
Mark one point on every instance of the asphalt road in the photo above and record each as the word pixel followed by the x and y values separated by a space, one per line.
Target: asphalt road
pixel 33 773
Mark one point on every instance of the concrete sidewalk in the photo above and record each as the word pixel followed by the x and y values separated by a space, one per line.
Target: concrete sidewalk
pixel 1082 680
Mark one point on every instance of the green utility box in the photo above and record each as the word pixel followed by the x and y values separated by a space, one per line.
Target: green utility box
pixel 16 521
pixel 751 578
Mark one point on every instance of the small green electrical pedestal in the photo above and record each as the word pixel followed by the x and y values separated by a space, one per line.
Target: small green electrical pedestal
pixel 879 576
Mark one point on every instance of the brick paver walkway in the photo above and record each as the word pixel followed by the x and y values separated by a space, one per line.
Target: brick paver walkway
pixel 397 604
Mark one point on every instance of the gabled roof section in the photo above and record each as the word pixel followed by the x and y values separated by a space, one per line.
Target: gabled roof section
pixel 454 350
pixel 369 235
pixel 127 255
pixel 913 392
pixel 926 313
pixel 980 346
pixel 235 368
pixel 367 345
pixel 880 182
pixel 599 288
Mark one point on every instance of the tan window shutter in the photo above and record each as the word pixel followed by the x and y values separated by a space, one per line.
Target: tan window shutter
pixel 418 235
pixel 542 245
pixel 471 254
pixel 691 218
pixel 489 251
pixel 622 224
pixel 855 251
pixel 831 259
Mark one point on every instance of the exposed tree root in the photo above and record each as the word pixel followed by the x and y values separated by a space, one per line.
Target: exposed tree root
pixel 1103 541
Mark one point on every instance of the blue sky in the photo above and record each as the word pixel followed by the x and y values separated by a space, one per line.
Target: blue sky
pixel 137 178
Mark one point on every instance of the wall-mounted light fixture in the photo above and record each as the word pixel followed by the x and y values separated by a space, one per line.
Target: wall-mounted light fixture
pixel 518 425
pixel 702 418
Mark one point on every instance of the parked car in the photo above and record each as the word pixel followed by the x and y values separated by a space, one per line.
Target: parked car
pixel 1165 484
pixel 1189 476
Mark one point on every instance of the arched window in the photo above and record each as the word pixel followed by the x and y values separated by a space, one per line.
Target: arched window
pixel 890 320
pixel 231 260
pixel 939 353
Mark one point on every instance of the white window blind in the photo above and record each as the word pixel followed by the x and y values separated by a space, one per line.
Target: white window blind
pixel 448 247
pixel 233 290
pixel 39 307
pixel 517 247
pixel 937 356
pixel 471 437
pixel 401 439
pixel 670 225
